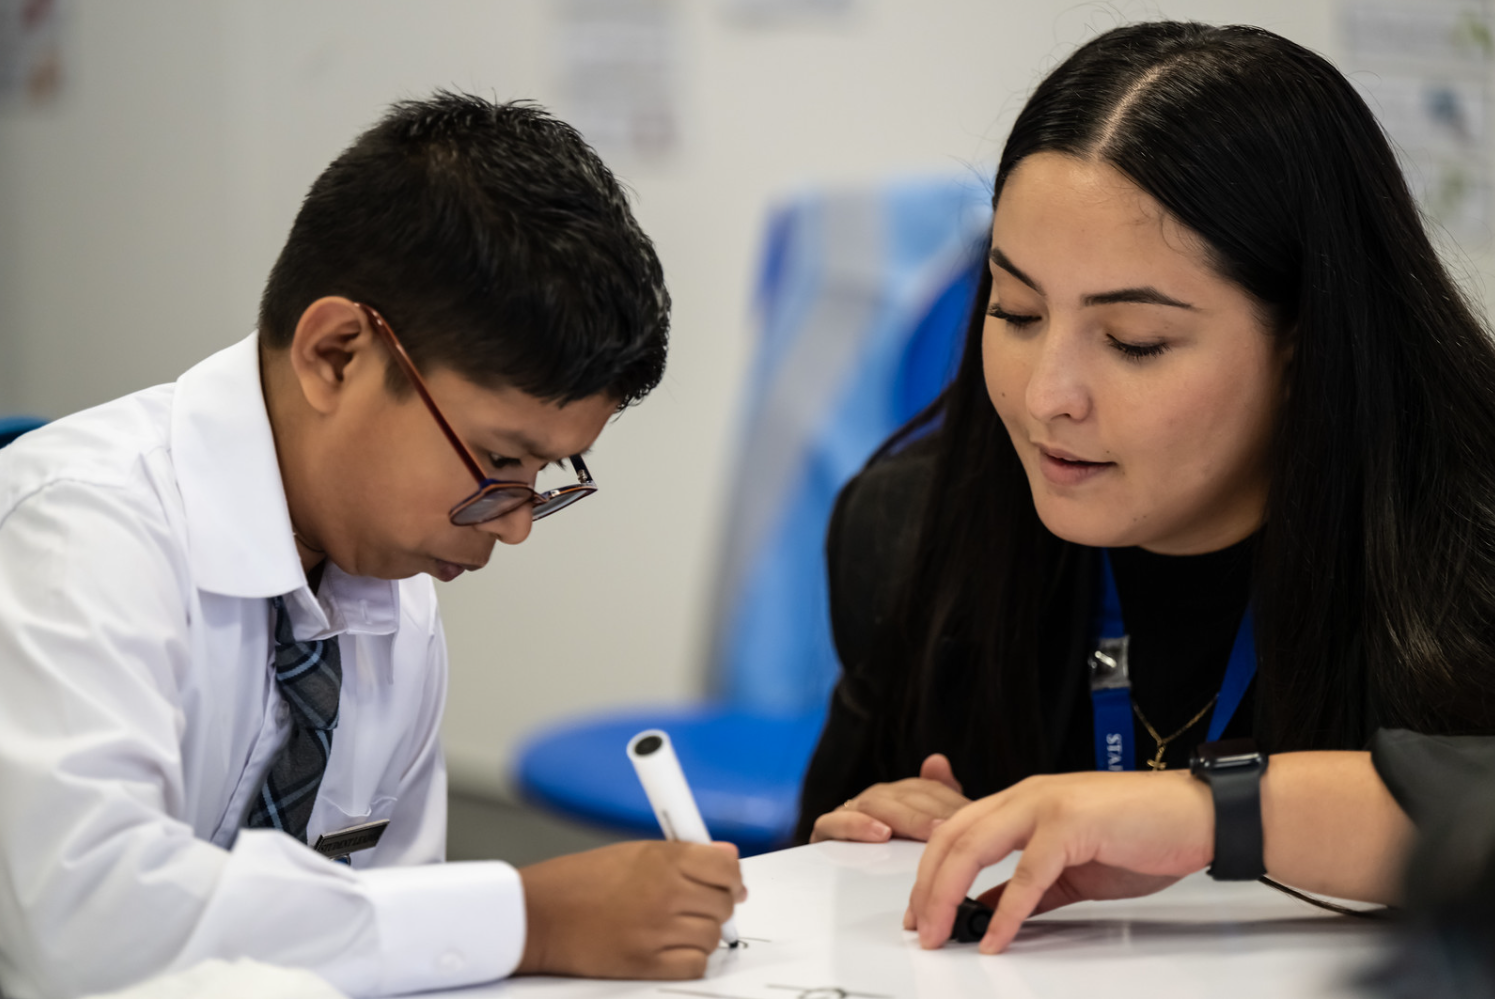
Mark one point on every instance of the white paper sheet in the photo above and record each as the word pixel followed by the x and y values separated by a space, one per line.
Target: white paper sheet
pixel 824 922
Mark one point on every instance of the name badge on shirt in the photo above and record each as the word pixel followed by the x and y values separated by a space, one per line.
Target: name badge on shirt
pixel 339 845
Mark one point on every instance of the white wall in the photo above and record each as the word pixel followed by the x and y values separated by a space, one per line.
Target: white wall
pixel 139 215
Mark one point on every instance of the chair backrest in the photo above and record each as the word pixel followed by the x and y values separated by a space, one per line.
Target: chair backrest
pixel 12 427
pixel 862 305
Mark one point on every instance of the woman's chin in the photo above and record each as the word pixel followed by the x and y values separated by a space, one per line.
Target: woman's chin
pixel 1087 524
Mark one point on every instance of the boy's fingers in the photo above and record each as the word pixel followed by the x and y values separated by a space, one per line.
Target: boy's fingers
pixel 705 902
pixel 712 866
pixel 731 850
pixel 680 963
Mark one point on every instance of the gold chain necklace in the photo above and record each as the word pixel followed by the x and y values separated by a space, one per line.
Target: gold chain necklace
pixel 1157 761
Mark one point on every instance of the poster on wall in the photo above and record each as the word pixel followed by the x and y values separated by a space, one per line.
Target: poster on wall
pixel 1424 66
pixel 620 75
pixel 30 50
pixel 777 12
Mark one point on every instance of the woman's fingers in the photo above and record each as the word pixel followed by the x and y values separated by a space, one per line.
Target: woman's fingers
pixel 912 810
pixel 850 824
pixel 1042 863
pixel 1083 836
pixel 937 768
pixel 940 842
pixel 979 844
pixel 909 808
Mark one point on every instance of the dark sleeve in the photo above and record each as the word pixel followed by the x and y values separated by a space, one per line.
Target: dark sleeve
pixel 1446 785
pixel 868 544
pixel 1433 776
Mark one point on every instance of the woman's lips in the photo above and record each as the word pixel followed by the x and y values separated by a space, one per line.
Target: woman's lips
pixel 1064 469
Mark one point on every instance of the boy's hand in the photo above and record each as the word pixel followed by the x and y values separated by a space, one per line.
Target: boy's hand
pixel 910 808
pixel 630 910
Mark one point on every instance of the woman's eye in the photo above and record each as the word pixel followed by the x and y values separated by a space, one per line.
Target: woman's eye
pixel 997 312
pixel 499 461
pixel 1137 351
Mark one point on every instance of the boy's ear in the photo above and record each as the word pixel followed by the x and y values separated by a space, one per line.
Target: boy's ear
pixel 332 338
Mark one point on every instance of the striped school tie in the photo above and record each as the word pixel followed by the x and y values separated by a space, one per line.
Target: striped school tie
pixel 310 678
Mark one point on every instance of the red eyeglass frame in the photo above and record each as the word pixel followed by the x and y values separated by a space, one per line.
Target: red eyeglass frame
pixel 494 498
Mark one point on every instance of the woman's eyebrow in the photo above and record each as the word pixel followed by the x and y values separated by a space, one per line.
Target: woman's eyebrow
pixel 999 259
pixel 1139 296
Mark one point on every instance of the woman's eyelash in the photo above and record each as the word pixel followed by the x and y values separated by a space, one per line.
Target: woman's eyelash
pixel 1132 351
pixel 1137 351
pixel 996 312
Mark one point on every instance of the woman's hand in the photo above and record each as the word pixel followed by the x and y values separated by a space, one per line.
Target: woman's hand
pixel 910 808
pixel 1083 836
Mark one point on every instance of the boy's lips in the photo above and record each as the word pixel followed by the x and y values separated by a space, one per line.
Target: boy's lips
pixel 448 571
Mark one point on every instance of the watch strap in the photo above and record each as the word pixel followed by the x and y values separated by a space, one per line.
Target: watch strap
pixel 1236 790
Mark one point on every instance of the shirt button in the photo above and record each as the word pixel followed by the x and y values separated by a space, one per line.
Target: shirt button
pixel 282 711
pixel 451 962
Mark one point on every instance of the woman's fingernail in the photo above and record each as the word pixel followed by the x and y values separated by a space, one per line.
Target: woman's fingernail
pixel 936 824
pixel 908 919
pixel 882 830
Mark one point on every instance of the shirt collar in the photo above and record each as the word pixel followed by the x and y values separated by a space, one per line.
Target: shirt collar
pixel 238 524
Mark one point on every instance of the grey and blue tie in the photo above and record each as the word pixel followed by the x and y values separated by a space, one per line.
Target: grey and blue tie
pixel 310 678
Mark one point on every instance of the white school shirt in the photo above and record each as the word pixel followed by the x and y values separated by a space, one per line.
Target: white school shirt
pixel 139 542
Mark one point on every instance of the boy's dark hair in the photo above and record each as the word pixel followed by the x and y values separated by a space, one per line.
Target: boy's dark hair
pixel 495 242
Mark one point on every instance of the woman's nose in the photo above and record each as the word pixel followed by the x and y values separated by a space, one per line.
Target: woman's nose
pixel 1057 382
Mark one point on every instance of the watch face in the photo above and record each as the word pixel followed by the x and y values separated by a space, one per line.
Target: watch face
pixel 1228 754
pixel 1236 762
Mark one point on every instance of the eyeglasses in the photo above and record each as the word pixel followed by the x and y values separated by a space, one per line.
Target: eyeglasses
pixel 493 498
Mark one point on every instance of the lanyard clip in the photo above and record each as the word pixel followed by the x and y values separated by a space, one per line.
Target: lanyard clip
pixel 1108 664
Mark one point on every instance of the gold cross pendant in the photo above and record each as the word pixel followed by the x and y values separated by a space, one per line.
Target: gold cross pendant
pixel 1157 761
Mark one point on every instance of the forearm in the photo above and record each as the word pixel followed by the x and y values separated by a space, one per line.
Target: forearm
pixel 1331 826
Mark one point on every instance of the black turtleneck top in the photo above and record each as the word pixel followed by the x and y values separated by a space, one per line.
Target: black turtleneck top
pixel 1182 613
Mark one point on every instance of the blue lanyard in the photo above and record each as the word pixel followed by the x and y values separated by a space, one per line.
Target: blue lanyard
pixel 1110 680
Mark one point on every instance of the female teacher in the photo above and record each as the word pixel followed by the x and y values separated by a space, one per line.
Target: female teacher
pixel 1218 463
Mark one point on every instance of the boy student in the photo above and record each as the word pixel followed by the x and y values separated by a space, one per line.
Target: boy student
pixel 218 644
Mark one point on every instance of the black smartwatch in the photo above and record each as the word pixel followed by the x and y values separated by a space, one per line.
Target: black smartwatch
pixel 1233 770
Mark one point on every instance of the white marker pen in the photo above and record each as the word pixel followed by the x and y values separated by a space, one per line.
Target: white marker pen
pixel 674 806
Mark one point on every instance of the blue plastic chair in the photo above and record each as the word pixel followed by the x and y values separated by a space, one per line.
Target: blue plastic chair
pixel 862 304
pixel 12 427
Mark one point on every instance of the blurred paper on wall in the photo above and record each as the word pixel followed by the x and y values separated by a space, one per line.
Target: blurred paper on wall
pixel 30 50
pixel 775 12
pixel 619 71
pixel 1423 65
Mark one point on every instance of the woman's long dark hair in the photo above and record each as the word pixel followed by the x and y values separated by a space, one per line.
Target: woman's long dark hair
pixel 1374 590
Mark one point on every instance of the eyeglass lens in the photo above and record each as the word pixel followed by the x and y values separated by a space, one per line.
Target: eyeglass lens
pixel 560 501
pixel 491 506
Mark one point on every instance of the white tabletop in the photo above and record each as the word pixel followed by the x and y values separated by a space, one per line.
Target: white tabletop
pixel 824 922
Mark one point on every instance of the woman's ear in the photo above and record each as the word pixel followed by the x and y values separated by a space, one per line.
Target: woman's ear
pixel 331 338
pixel 1287 348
